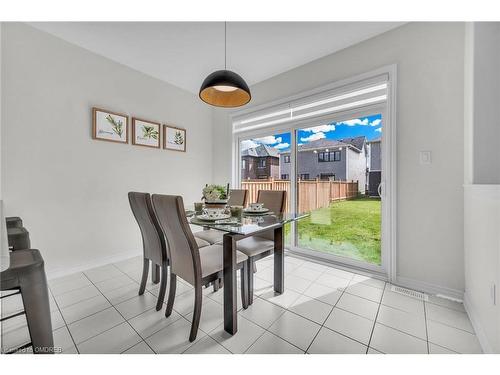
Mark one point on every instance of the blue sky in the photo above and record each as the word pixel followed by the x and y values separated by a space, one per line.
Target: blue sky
pixel 370 127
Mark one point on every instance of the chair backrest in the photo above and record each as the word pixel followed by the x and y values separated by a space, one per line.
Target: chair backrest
pixel 184 255
pixel 238 197
pixel 274 200
pixel 153 241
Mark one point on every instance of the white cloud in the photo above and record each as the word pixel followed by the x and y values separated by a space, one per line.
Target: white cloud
pixel 313 137
pixel 354 122
pixel 321 128
pixel 248 143
pixel 299 144
pixel 378 130
pixel 269 140
pixel 376 122
pixel 280 146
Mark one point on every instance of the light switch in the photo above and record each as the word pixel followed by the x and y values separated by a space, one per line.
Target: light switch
pixel 425 157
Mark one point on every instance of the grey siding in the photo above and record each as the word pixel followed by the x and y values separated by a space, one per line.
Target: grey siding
pixel 308 164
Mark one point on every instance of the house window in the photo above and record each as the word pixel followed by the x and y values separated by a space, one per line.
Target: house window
pixel 284 176
pixel 262 163
pixel 286 158
pixel 243 164
pixel 327 176
pixel 335 156
pixel 304 176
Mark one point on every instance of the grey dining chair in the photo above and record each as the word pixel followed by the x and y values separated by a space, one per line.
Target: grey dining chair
pixel 153 242
pixel 197 267
pixel 237 197
pixel 261 246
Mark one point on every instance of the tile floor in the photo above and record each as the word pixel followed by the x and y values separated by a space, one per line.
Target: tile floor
pixel 323 310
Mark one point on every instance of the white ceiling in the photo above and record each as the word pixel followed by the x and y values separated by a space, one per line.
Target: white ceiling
pixel 184 53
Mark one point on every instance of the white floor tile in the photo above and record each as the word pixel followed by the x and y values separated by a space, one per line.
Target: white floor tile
pixel 115 283
pixel 454 318
pixel 401 302
pixel 333 281
pixel 323 293
pixel 248 333
pixel 366 280
pixel 57 320
pixel 329 342
pixel 390 341
pixel 14 333
pixel 436 349
pixel 351 325
pixel 62 339
pixel 446 303
pixel 207 345
pixel 315 266
pixel 151 321
pixel 285 300
pixel 11 305
pixel 272 344
pixel 85 308
pixel 358 305
pixel 174 338
pixel 307 273
pixel 184 304
pixel 136 305
pixel 373 351
pixel 339 273
pixel 95 324
pixel 452 338
pixel 113 341
pixel 295 329
pixel 408 323
pixel 140 348
pixel 129 264
pixel 296 284
pixel 103 273
pixel 311 309
pixel 262 312
pixel 122 294
pixel 68 283
pixel 75 296
pixel 212 315
pixel 365 291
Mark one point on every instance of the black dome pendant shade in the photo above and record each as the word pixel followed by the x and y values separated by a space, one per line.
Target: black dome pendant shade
pixel 225 88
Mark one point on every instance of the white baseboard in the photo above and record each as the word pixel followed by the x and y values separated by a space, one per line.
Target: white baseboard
pixel 478 328
pixel 422 286
pixel 53 273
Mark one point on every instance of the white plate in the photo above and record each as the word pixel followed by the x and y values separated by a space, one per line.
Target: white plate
pixel 261 211
pixel 207 218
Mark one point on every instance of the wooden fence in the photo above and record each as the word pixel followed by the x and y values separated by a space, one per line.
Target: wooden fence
pixel 312 194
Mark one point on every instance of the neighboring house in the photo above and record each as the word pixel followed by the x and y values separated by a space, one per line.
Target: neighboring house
pixel 260 162
pixel 343 159
pixel 374 166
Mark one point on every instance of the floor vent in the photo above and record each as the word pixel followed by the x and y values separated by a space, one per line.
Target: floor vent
pixel 410 293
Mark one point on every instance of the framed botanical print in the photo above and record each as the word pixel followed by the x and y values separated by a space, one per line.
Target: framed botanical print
pixel 145 133
pixel 174 138
pixel 109 126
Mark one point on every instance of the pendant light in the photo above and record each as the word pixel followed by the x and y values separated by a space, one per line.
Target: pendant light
pixel 224 88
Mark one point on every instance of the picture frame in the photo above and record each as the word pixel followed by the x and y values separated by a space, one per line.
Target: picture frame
pixel 146 133
pixel 174 138
pixel 109 126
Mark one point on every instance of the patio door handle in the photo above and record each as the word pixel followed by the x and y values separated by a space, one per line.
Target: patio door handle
pixel 379 190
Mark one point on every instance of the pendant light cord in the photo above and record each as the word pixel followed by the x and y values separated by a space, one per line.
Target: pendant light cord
pixel 225 46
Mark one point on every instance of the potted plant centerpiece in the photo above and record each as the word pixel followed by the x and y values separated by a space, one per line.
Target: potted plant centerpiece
pixel 215 196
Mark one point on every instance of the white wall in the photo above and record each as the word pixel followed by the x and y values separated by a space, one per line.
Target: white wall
pixel 430 98
pixel 70 190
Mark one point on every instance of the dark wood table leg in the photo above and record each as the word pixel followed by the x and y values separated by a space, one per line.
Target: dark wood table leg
pixel 279 260
pixel 230 291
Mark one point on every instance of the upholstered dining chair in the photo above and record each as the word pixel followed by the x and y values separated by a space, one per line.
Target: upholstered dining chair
pixel 153 242
pixel 261 246
pixel 237 197
pixel 197 267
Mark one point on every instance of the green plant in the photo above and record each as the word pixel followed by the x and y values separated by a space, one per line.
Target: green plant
pixel 215 192
pixel 178 138
pixel 149 132
pixel 117 126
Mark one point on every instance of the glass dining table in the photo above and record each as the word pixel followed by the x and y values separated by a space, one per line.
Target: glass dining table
pixel 235 230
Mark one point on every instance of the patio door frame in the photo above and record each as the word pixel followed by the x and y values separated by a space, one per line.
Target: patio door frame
pixel 387 269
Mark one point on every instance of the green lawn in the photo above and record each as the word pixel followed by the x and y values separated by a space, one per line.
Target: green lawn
pixel 348 228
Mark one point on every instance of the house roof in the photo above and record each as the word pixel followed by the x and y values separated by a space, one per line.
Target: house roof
pixel 261 151
pixel 375 140
pixel 356 143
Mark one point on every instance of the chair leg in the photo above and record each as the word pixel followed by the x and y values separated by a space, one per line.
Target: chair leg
pixel 197 313
pixel 144 279
pixel 244 285
pixel 155 273
pixel 163 286
pixel 250 265
pixel 171 294
pixel 216 285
